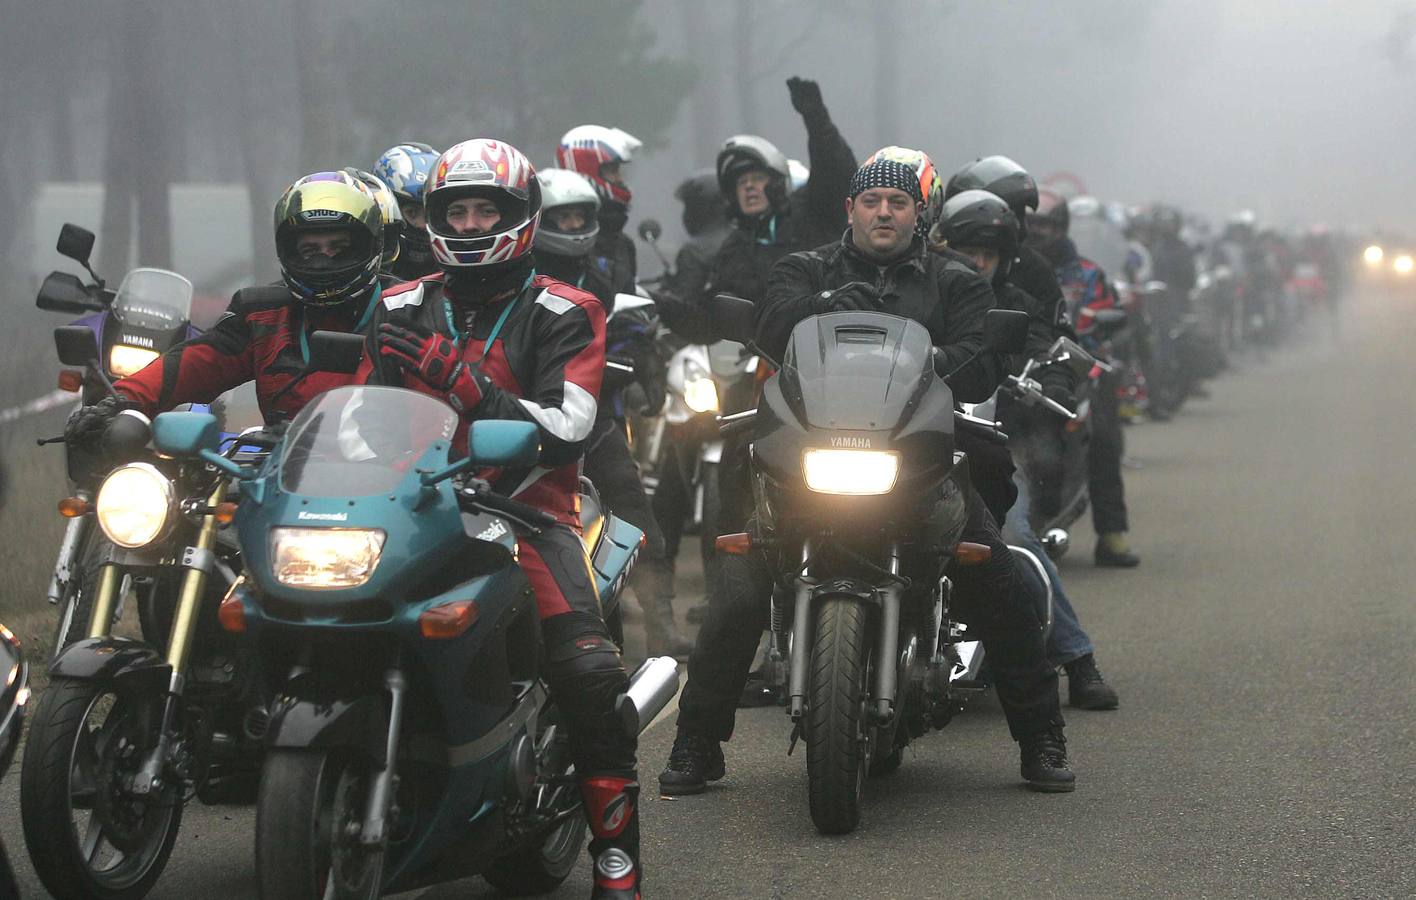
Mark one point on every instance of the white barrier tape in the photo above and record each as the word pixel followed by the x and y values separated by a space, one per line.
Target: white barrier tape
pixel 38 405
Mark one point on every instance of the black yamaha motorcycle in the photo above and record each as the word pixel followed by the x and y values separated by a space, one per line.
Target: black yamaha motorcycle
pixel 861 500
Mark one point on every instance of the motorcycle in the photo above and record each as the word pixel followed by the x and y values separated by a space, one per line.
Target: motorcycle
pixel 413 741
pixel 14 694
pixel 128 731
pixel 860 499
pixel 132 326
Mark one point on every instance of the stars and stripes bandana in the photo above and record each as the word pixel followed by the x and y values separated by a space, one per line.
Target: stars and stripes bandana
pixel 886 173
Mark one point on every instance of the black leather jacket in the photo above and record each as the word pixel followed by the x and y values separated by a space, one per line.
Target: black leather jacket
pixel 945 295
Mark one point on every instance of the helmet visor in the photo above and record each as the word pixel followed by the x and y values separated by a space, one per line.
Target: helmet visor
pixel 469 211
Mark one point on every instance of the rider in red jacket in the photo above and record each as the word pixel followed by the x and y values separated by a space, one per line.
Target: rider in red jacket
pixel 497 341
pixel 329 237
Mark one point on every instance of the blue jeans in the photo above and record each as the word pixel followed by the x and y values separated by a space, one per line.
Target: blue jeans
pixel 1067 641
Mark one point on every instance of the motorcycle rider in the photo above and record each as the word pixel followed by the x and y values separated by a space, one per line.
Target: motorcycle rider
pixel 498 340
pixel 329 238
pixel 405 168
pixel 982 227
pixel 601 154
pixel 1087 290
pixel 705 219
pixel 564 242
pixel 879 264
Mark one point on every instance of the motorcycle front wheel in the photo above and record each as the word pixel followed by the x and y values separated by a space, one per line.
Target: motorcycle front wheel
pixel 838 730
pixel 305 845
pixel 88 835
pixel 76 605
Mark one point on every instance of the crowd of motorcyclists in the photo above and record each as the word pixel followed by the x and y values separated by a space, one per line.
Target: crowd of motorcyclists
pixel 504 290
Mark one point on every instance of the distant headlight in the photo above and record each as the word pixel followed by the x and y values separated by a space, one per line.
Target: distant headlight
pixel 124 360
pixel 1372 255
pixel 1403 264
pixel 850 471
pixel 699 391
pixel 135 505
pixel 325 557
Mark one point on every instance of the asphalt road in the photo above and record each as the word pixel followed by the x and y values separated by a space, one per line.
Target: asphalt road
pixel 1265 652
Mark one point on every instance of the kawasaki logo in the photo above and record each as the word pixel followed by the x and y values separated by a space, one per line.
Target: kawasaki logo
pixel 854 443
pixel 322 517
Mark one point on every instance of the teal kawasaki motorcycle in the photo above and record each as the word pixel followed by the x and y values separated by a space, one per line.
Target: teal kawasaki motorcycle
pixel 412 740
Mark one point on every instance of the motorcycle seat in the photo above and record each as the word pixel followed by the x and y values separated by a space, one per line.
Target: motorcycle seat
pixel 592 514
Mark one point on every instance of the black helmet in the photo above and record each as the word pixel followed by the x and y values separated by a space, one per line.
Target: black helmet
pixel 703 205
pixel 745 152
pixel 980 219
pixel 1001 177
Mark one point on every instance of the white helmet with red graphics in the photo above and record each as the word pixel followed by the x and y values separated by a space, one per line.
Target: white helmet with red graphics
pixel 591 149
pixel 491 170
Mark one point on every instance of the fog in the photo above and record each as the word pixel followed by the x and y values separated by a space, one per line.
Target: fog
pixel 1301 112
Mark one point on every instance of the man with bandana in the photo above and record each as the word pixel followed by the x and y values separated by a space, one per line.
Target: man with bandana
pixel 880 264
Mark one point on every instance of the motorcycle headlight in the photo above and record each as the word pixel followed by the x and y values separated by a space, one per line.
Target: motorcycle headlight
pixel 1403 264
pixel 858 472
pixel 135 505
pixel 124 360
pixel 325 557
pixel 699 391
pixel 1372 255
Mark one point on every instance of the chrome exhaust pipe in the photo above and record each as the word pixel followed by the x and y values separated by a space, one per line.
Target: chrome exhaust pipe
pixel 651 687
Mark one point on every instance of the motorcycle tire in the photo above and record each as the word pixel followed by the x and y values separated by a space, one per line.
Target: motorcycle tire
pixel 307 798
pixel 838 728
pixel 539 868
pixel 76 605
pixel 47 801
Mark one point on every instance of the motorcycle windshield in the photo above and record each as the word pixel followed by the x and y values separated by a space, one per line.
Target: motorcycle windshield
pixel 856 371
pixel 154 299
pixel 361 440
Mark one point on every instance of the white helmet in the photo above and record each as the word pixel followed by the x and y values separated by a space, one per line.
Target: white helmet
pixel 799 173
pixel 561 188
pixel 586 148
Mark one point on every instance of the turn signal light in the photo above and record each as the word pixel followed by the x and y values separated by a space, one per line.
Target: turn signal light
pixel 448 621
pixel 737 544
pixel 71 380
pixel 970 554
pixel 232 615
pixel 73 507
pixel 225 512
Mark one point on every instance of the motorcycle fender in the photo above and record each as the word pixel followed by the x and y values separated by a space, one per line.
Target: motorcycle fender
pixel 711 452
pixel 114 659
pixel 305 716
pixel 861 590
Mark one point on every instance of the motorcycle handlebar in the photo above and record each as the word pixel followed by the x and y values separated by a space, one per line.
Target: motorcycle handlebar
pixel 512 509
pixel 979 428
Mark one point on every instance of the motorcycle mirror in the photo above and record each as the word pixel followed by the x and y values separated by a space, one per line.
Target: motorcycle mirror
pixel 494 442
pixel 1005 331
pixel 1069 353
pixel 736 318
pixel 650 230
pixel 77 345
pixel 185 433
pixel 334 351
pixel 75 243
pixel 62 292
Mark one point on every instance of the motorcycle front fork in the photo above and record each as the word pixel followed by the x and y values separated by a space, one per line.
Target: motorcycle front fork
pixel 199 560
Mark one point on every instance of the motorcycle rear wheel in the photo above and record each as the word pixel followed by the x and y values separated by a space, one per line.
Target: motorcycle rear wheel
pixel 304 848
pixel 838 729
pixel 86 737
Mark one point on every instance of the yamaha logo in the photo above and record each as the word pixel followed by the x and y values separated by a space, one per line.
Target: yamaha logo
pixel 136 340
pixel 852 443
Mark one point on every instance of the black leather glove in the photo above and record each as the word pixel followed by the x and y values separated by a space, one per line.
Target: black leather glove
pixel 806 98
pixel 854 295
pixel 87 424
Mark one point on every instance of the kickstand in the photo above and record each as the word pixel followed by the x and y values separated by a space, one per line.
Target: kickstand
pixel 796 736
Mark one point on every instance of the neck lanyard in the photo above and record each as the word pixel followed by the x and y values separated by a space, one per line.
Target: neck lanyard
pixel 359 327
pixel 771 237
pixel 496 328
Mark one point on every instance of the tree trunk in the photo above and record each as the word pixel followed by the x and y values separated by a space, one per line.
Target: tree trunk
pixel 744 64
pixel 707 133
